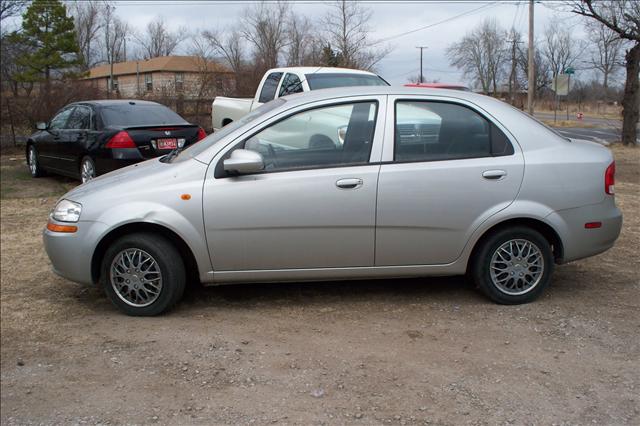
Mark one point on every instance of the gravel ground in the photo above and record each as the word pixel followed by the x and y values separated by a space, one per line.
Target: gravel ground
pixel 423 351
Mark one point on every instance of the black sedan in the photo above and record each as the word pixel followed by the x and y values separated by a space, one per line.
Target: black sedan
pixel 87 139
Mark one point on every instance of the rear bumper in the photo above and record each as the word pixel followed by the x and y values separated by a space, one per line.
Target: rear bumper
pixel 579 242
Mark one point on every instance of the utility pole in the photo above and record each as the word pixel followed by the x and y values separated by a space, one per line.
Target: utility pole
pixel 532 80
pixel 513 80
pixel 421 48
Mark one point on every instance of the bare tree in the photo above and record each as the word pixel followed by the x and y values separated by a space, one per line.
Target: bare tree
pixel 265 27
pixel 301 40
pixel 481 55
pixel 89 21
pixel 9 8
pixel 347 30
pixel 607 54
pixel 115 33
pixel 158 40
pixel 623 17
pixel 541 69
pixel 228 44
pixel 559 47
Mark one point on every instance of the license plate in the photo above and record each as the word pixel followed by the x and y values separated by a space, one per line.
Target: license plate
pixel 167 143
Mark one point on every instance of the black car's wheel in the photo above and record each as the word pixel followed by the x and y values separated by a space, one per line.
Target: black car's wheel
pixel 143 274
pixel 513 265
pixel 34 162
pixel 87 169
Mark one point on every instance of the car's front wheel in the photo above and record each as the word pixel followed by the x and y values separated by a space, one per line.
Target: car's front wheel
pixel 34 162
pixel 513 265
pixel 143 274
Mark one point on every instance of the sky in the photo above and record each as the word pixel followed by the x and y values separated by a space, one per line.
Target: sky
pixel 390 19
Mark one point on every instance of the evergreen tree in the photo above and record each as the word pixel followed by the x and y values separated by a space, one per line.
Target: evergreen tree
pixel 53 49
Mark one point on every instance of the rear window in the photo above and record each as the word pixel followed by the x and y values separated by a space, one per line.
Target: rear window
pixel 139 115
pixel 329 80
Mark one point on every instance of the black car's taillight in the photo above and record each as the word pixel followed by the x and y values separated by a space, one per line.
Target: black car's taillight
pixel 121 140
pixel 201 134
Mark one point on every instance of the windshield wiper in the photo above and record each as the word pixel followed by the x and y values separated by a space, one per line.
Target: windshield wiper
pixel 170 156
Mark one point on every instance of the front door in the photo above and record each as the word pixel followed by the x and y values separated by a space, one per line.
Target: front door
pixel 314 204
pixel 49 142
pixel 452 169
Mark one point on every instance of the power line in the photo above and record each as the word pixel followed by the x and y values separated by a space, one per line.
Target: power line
pixel 437 23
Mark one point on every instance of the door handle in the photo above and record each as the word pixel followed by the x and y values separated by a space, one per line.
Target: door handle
pixel 349 183
pixel 494 174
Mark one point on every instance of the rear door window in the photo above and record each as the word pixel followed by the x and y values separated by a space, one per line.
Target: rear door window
pixel 431 131
pixel 80 118
pixel 290 84
pixel 269 87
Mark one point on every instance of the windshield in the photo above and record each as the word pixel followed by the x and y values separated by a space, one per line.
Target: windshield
pixel 329 80
pixel 134 114
pixel 213 138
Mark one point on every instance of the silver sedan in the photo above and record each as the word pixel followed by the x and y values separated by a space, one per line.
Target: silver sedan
pixel 374 182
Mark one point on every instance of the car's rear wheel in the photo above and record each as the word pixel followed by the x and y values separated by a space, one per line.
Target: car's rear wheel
pixel 143 274
pixel 34 162
pixel 87 169
pixel 513 265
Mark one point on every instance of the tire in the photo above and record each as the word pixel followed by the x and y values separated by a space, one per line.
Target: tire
pixel 33 161
pixel 513 279
pixel 87 169
pixel 121 271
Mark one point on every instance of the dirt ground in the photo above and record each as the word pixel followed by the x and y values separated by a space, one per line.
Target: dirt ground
pixel 423 351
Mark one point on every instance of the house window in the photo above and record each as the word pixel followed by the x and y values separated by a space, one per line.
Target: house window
pixel 179 80
pixel 148 82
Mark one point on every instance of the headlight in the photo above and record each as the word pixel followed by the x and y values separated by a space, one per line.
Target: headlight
pixel 67 211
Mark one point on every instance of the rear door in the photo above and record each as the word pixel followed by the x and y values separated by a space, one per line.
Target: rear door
pixel 78 135
pixel 449 168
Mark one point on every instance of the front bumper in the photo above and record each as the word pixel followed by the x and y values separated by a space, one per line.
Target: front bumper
pixel 71 253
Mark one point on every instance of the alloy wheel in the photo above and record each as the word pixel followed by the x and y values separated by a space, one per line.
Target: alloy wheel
pixel 33 161
pixel 517 267
pixel 136 277
pixel 87 171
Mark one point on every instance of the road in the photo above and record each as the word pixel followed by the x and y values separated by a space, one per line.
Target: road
pixel 598 121
pixel 600 135
pixel 605 130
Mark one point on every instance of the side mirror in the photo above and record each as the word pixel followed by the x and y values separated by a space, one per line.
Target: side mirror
pixel 41 126
pixel 244 161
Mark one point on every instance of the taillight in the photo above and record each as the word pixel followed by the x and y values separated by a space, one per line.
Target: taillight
pixel 201 134
pixel 610 179
pixel 121 140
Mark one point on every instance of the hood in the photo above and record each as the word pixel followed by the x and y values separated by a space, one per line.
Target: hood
pixel 109 180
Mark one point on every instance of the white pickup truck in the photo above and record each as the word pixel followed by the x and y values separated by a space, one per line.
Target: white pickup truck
pixel 279 82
